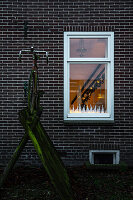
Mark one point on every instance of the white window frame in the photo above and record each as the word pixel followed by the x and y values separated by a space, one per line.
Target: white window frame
pixel 90 117
pixel 116 155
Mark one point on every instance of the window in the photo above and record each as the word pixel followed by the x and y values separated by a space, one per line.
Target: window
pixel 104 156
pixel 89 76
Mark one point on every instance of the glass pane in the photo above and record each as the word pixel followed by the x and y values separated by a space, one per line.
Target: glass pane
pixel 103 158
pixel 88 88
pixel 88 47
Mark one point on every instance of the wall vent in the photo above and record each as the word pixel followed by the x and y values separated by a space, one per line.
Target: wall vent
pixel 104 156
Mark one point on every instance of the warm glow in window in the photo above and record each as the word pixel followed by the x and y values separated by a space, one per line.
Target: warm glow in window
pixel 88 88
pixel 89 77
pixel 88 48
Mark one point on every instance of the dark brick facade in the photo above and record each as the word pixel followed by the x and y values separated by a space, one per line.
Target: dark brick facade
pixel 46 22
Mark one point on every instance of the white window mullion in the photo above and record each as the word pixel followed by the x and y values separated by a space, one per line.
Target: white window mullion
pixel 88 60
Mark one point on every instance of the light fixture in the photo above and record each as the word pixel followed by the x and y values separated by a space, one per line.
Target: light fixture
pixel 81 47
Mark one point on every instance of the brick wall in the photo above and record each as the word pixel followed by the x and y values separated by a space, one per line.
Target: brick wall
pixel 47 20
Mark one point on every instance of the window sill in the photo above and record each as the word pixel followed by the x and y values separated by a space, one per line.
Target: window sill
pixel 89 120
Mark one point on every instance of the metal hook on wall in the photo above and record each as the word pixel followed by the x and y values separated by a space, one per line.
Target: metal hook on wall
pixel 25 29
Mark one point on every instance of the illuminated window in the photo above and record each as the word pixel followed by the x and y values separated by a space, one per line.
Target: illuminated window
pixel 89 76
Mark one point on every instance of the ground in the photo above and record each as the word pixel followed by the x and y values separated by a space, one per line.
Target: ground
pixel 28 183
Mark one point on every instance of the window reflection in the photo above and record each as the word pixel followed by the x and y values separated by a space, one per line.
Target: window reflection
pixel 88 88
pixel 88 47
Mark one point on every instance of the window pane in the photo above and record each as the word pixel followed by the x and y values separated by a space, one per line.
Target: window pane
pixel 88 88
pixel 103 158
pixel 88 47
